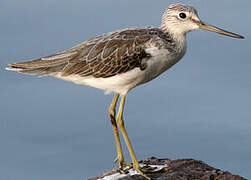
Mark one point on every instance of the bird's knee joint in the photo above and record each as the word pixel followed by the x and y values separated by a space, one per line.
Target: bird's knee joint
pixel 120 122
pixel 112 116
pixel 113 122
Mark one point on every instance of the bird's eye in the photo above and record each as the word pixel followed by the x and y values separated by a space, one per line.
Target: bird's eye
pixel 182 15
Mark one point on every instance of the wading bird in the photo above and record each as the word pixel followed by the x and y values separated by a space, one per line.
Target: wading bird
pixel 121 60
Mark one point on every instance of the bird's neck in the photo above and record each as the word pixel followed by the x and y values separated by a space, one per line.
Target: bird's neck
pixel 172 28
pixel 177 34
pixel 178 37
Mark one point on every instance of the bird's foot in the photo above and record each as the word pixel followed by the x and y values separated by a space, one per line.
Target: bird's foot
pixel 123 166
pixel 145 169
pixel 141 171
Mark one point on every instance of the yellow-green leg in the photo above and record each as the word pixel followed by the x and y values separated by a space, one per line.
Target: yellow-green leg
pixel 120 123
pixel 112 112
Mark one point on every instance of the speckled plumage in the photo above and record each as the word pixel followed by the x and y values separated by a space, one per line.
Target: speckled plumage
pixel 102 56
pixel 106 56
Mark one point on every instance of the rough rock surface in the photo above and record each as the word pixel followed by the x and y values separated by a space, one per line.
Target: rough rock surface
pixel 181 169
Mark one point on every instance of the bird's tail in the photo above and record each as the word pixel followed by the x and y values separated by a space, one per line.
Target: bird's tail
pixel 44 66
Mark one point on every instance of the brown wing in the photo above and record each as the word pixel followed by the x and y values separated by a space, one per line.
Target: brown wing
pixel 110 54
pixel 102 56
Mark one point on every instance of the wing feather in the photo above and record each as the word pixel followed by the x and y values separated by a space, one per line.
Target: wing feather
pixel 112 54
pixel 102 56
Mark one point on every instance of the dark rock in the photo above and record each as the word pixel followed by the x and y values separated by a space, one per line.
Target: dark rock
pixel 181 169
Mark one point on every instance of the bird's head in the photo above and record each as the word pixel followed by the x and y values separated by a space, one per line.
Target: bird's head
pixel 179 19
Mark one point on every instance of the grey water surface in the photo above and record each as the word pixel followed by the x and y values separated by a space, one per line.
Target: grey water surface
pixel 56 130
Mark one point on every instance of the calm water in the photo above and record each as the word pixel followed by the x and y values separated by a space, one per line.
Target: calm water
pixel 55 130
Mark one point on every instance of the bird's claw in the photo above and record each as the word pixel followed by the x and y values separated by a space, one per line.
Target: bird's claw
pixel 123 166
pixel 141 171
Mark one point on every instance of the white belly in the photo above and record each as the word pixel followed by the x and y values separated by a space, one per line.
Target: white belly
pixel 159 62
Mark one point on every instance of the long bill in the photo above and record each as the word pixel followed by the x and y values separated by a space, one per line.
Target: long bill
pixel 209 27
